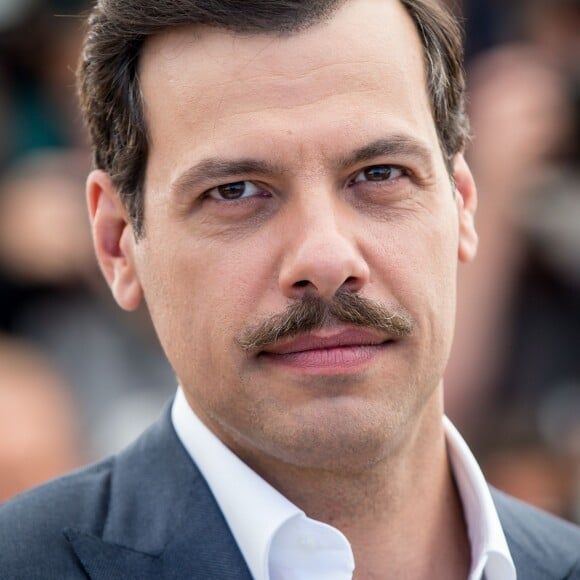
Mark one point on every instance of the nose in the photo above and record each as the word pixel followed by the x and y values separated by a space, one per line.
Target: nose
pixel 322 255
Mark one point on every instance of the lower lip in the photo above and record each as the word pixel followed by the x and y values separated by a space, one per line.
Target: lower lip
pixel 328 361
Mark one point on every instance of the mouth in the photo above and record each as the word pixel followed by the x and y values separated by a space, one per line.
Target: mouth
pixel 328 351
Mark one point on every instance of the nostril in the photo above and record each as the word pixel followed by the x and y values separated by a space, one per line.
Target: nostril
pixel 352 283
pixel 302 283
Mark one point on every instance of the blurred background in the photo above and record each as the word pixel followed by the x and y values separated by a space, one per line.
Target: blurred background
pixel 79 378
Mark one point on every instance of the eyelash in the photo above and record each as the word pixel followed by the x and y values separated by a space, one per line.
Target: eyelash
pixel 391 168
pixel 262 192
pixel 230 185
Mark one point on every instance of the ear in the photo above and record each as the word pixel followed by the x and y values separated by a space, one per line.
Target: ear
pixel 113 239
pixel 466 198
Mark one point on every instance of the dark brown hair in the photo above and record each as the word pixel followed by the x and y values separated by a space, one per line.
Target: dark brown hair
pixel 109 86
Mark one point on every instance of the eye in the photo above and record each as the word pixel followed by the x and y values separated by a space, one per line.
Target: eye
pixel 233 191
pixel 378 173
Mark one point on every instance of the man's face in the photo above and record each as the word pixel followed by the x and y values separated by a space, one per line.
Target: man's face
pixel 291 168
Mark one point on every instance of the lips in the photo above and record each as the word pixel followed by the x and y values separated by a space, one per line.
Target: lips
pixel 328 352
pixel 326 340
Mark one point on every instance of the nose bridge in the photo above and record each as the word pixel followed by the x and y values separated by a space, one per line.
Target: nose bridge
pixel 325 225
pixel 322 252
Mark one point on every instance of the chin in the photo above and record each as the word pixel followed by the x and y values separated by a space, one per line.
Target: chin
pixel 344 435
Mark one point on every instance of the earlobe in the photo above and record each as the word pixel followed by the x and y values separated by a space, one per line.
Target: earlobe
pixel 113 240
pixel 466 194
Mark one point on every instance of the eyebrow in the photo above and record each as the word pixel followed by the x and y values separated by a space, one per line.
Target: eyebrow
pixel 396 145
pixel 217 168
pixel 214 169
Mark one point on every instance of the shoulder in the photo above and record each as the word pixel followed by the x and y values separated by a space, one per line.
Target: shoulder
pixel 114 501
pixel 549 543
pixel 32 524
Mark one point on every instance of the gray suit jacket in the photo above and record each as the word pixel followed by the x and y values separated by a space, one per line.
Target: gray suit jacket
pixel 148 514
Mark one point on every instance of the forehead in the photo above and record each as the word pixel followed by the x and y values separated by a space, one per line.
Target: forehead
pixel 220 84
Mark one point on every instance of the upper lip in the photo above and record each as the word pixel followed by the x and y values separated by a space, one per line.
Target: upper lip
pixel 325 339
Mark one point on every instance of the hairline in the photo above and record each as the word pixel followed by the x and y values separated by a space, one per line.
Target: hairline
pixel 131 183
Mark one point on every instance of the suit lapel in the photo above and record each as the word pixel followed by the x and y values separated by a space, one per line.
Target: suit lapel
pixel 536 541
pixel 159 520
pixel 102 561
pixel 162 520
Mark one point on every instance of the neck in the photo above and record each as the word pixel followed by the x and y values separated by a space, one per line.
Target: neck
pixel 403 516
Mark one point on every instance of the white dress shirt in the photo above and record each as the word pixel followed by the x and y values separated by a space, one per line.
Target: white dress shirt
pixel 279 542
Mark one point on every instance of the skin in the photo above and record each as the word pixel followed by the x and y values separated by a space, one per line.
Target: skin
pixel 358 443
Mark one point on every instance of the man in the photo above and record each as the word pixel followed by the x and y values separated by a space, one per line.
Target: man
pixel 283 183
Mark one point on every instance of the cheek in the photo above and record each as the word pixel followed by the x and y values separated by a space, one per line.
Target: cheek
pixel 200 297
pixel 417 263
pixel 438 277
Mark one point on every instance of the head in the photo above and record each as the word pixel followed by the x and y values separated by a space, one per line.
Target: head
pixel 111 97
pixel 283 183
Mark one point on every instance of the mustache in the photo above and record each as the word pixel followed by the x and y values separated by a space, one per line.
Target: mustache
pixel 313 312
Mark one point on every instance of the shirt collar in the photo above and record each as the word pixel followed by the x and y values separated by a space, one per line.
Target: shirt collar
pixel 489 548
pixel 255 511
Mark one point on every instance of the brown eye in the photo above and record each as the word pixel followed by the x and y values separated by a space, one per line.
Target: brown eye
pixel 233 191
pixel 378 173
